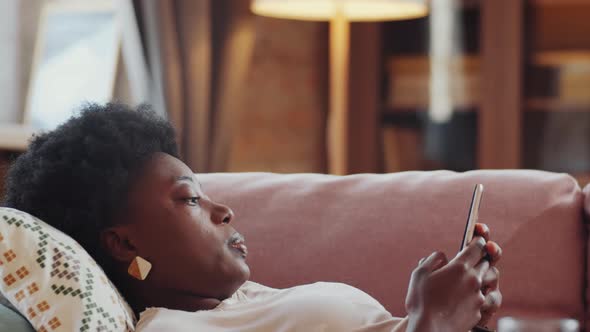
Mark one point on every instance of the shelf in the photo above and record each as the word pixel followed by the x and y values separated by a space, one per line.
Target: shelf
pixel 558 58
pixel 409 81
pixel 550 3
pixel 424 109
pixel 15 137
pixel 555 105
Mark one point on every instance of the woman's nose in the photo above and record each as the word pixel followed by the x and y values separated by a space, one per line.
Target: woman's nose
pixel 222 214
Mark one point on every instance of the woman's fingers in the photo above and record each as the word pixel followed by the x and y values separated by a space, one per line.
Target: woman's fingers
pixel 435 261
pixel 481 270
pixel 494 252
pixel 493 296
pixel 493 302
pixel 482 230
pixel 473 253
pixel 491 279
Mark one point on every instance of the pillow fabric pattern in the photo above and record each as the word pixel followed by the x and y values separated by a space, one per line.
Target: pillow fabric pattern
pixel 53 281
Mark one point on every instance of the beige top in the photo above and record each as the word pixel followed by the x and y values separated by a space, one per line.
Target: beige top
pixel 326 307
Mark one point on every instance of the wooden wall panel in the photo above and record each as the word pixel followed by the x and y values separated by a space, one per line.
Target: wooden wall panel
pixel 501 103
pixel 363 99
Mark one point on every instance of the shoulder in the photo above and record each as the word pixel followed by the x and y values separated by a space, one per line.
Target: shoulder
pixel 337 291
pixel 340 289
pixel 253 290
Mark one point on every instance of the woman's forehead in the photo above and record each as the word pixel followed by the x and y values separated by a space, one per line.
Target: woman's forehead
pixel 165 170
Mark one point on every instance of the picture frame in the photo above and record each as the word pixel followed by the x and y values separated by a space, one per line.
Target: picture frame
pixel 75 61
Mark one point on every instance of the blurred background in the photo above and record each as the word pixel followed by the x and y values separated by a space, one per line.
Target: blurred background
pixel 464 84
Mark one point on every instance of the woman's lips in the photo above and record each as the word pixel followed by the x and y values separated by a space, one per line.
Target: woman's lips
pixel 237 242
pixel 241 248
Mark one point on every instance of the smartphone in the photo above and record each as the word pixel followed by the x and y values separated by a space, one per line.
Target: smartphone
pixel 473 216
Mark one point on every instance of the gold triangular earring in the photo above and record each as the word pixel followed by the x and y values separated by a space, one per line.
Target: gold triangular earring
pixel 139 268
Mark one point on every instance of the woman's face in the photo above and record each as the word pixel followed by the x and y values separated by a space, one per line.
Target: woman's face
pixel 186 236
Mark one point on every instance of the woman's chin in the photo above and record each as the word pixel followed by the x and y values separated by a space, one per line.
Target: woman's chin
pixel 245 270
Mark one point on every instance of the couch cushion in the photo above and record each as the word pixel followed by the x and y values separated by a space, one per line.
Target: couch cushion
pixel 587 230
pixel 53 281
pixel 371 230
pixel 13 322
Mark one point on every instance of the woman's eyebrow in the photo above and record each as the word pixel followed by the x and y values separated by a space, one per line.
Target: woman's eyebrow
pixel 188 178
pixel 184 178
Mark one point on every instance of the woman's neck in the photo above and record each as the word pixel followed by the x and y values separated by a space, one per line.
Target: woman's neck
pixel 142 296
pixel 178 301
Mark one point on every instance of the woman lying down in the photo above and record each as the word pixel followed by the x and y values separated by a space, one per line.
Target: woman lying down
pixel 111 178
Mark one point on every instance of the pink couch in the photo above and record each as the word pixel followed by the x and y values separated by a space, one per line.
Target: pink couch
pixel 370 231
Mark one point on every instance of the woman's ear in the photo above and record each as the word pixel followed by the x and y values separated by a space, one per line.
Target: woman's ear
pixel 117 242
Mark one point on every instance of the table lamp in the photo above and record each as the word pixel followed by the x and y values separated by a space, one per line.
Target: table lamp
pixel 340 13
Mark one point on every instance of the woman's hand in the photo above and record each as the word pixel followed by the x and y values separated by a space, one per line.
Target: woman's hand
pixel 455 295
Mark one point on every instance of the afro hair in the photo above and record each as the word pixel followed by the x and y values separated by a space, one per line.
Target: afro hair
pixel 77 177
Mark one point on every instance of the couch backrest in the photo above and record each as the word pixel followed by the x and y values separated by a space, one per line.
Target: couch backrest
pixel 586 192
pixel 370 230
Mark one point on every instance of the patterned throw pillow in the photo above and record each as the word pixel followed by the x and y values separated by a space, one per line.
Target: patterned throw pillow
pixel 53 281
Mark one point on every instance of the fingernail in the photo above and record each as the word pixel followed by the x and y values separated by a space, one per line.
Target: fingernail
pixel 421 261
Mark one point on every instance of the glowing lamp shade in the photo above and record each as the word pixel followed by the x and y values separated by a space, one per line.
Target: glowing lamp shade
pixel 352 10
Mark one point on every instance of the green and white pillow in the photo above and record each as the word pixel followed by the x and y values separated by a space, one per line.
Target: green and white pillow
pixel 50 279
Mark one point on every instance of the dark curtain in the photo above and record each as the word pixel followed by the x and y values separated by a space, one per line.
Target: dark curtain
pixel 198 54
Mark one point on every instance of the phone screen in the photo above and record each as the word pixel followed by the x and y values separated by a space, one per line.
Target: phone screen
pixel 472 216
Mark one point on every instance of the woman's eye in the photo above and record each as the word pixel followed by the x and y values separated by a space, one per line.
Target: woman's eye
pixel 193 201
